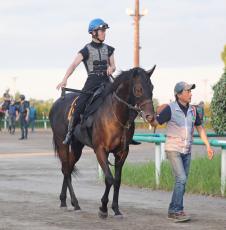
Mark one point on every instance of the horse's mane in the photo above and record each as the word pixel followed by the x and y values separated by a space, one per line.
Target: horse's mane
pixel 120 78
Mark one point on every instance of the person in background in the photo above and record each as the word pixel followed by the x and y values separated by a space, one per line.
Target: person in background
pixel 200 111
pixel 181 119
pixel 12 116
pixel 32 117
pixel 23 117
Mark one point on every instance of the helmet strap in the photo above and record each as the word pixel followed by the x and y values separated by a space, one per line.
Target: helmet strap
pixel 95 36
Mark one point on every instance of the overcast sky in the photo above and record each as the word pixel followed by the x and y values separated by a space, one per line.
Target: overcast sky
pixel 39 39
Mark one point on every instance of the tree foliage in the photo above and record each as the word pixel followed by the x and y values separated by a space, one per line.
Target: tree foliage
pixel 218 105
pixel 223 56
pixel 42 107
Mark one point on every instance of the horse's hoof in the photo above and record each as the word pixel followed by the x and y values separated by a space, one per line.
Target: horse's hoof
pixel 119 216
pixel 63 208
pixel 102 215
pixel 77 209
pixel 63 204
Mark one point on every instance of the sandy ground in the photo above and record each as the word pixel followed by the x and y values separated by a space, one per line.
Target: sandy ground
pixel 30 183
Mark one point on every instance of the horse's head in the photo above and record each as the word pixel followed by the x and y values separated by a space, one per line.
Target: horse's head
pixel 143 93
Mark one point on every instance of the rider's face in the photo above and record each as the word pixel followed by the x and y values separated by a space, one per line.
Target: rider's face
pixel 101 34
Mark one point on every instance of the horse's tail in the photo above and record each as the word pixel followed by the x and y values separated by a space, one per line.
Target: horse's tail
pixel 55 146
pixel 75 171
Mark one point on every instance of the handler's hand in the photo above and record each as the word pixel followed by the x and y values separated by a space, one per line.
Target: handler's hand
pixel 62 84
pixel 210 152
pixel 154 123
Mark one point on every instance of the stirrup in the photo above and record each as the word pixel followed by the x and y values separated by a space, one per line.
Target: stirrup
pixel 67 139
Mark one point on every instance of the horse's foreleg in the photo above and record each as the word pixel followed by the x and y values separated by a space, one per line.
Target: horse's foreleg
pixel 109 180
pixel 102 158
pixel 118 172
pixel 103 210
pixel 63 194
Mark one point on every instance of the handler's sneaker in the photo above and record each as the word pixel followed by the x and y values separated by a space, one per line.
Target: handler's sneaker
pixel 179 217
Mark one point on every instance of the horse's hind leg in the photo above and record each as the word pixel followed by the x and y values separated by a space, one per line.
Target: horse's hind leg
pixel 63 194
pixel 76 151
pixel 74 200
pixel 68 160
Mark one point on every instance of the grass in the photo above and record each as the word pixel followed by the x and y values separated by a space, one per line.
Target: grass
pixel 204 176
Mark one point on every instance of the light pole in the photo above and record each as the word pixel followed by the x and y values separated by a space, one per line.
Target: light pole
pixel 136 17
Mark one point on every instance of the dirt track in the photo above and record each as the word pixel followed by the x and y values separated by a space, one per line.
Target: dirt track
pixel 30 182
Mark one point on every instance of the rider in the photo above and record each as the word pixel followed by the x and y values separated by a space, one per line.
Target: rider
pixel 98 59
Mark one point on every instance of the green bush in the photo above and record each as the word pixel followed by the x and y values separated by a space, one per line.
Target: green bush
pixel 218 106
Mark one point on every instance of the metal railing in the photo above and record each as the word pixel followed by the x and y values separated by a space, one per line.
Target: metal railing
pixel 159 140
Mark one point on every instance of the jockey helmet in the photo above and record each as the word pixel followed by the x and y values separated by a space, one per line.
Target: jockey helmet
pixel 97 24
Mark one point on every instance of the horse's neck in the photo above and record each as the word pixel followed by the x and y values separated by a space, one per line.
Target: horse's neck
pixel 120 109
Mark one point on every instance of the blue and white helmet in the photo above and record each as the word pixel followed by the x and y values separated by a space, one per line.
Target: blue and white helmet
pixel 96 24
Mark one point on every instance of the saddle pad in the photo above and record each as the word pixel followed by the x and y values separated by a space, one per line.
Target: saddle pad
pixel 72 108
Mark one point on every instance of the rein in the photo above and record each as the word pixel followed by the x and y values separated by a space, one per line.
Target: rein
pixel 135 108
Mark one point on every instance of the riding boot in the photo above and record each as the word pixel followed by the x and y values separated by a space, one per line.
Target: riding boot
pixel 71 126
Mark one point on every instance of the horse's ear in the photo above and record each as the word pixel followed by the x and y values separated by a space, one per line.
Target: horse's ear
pixel 150 72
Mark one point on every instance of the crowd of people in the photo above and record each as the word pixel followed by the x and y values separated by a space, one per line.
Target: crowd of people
pixel 20 111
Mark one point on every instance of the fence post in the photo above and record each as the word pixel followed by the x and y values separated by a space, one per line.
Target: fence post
pixel 163 153
pixel 45 124
pixel 157 163
pixel 223 170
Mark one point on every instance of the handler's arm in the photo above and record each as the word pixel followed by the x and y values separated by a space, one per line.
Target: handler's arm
pixel 202 134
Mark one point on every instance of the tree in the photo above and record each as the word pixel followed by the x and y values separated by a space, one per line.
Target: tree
pixel 223 56
pixel 218 103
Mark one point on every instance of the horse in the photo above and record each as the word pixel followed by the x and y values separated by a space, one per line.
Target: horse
pixel 112 130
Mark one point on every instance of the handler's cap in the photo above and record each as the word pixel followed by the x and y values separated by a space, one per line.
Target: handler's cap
pixel 180 86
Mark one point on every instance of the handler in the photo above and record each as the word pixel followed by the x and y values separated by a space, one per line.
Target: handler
pixel 181 119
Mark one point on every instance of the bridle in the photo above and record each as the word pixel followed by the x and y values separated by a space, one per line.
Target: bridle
pixel 137 108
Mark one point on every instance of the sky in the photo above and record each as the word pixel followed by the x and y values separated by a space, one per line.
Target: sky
pixel 39 39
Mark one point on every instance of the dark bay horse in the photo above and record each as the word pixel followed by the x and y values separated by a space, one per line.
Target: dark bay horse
pixel 112 130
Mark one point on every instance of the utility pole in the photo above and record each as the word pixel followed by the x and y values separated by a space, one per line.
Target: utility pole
pixel 136 17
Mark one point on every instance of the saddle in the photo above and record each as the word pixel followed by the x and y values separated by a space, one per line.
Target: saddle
pixel 93 104
pixel 83 131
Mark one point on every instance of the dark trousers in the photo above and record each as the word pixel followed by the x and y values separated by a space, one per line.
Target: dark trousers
pixel 92 84
pixel 23 127
pixel 32 123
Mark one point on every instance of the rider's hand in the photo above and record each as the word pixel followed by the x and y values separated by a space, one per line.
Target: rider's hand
pixel 109 71
pixel 62 84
